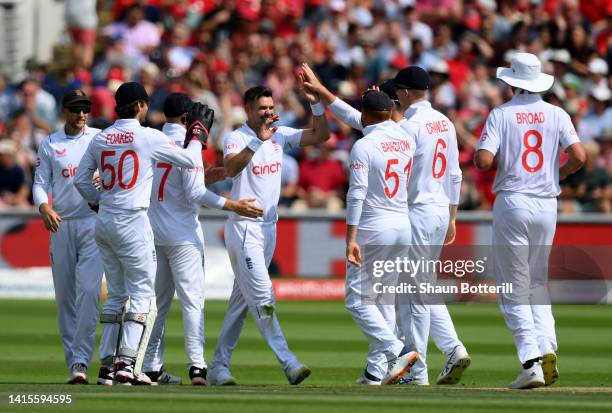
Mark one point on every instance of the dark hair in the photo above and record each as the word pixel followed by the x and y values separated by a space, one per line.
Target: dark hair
pixel 128 111
pixel 253 94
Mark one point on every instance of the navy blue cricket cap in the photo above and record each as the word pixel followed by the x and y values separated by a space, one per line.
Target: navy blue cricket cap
pixel 177 104
pixel 389 88
pixel 376 101
pixel 411 77
pixel 75 97
pixel 130 92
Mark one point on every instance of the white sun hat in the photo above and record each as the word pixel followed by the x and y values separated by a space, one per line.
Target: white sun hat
pixel 525 72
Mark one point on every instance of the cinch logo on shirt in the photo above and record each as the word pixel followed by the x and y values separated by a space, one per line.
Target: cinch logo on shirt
pixel 357 166
pixel 230 146
pixel 523 118
pixel 395 146
pixel 69 172
pixel 120 138
pixel 266 169
pixel 437 126
pixel 196 169
pixel 60 152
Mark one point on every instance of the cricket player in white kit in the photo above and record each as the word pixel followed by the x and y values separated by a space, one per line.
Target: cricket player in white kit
pixel 376 218
pixel 522 138
pixel 433 195
pixel 433 198
pixel 125 154
pixel 179 244
pixel 253 157
pixel 75 263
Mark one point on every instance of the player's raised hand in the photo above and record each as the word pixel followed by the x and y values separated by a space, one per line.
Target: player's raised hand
pixel 266 130
pixel 312 96
pixel 50 218
pixel 310 80
pixel 245 208
pixel 353 253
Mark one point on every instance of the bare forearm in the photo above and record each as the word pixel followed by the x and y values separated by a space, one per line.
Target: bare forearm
pixel 351 233
pixel 236 163
pixel 452 210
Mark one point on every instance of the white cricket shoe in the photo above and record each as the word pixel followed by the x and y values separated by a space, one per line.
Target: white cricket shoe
pixel 297 374
pixel 411 380
pixel 456 363
pixel 221 377
pixel 368 381
pixel 530 378
pixel 399 366
pixel 78 374
pixel 549 367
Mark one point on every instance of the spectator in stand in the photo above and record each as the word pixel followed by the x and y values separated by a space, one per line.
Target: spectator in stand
pixel 599 117
pixel 322 179
pixel 141 37
pixel 180 54
pixel 6 96
pixel 82 21
pixel 149 78
pixel 290 175
pixel 39 105
pixel 589 189
pixel 14 189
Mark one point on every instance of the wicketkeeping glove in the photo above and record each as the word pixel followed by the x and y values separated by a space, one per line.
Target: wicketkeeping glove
pixel 199 121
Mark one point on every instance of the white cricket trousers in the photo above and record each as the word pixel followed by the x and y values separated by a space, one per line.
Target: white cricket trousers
pixel 180 268
pixel 417 320
pixel 523 232
pixel 77 277
pixel 376 318
pixel 125 241
pixel 250 246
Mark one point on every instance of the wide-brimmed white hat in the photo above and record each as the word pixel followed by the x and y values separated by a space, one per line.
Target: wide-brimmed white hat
pixel 525 72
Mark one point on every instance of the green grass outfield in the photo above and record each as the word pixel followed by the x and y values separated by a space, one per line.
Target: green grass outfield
pixel 324 337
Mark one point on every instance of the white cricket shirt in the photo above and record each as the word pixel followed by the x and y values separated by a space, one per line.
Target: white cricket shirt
pixel 261 177
pixel 525 134
pixel 59 156
pixel 125 154
pixel 176 196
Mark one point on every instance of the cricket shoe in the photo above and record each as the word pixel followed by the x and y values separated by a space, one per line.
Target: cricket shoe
pixel 549 367
pixel 78 374
pixel 456 363
pixel 197 376
pixel 221 377
pixel 106 375
pixel 162 377
pixel 399 366
pixel 409 379
pixel 530 378
pixel 368 379
pixel 124 375
pixel 297 374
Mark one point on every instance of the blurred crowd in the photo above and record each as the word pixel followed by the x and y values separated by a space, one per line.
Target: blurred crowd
pixel 214 50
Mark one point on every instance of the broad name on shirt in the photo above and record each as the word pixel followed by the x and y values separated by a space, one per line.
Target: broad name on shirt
pixel 526 118
pixel 395 146
pixel 120 138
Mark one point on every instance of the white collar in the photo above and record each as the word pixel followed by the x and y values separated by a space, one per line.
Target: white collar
pixel 415 107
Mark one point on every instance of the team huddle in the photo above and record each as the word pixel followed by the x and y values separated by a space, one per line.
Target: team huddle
pixel 126 199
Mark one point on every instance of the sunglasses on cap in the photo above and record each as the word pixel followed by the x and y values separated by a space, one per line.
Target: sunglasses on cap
pixel 79 109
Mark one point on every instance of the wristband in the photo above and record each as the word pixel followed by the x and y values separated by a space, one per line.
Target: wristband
pixel 317 109
pixel 254 144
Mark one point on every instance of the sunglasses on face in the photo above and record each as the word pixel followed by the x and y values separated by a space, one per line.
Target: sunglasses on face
pixel 79 109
